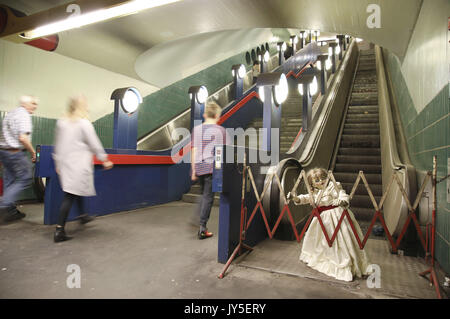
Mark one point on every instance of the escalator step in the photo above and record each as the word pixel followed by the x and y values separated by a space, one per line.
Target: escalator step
pixel 357 126
pixel 351 178
pixel 372 141
pixel 363 214
pixel 346 159
pixel 362 131
pixel 358 109
pixel 356 167
pixel 359 151
pixel 371 116
pixel 364 201
pixel 361 120
pixel 377 189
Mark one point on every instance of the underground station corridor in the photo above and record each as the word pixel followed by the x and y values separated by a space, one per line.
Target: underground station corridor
pixel 224 151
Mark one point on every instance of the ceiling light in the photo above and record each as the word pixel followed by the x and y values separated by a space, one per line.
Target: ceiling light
pixel 127 8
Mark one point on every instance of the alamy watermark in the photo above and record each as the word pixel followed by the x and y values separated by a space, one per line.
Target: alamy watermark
pixel 374 19
pixel 74 279
pixel 250 141
pixel 374 279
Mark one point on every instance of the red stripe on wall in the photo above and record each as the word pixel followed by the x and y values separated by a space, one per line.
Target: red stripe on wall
pixel 126 159
pixel 238 106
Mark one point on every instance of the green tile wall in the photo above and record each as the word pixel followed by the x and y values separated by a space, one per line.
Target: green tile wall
pixel 172 100
pixel 428 134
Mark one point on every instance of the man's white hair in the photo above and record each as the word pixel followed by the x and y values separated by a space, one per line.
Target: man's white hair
pixel 25 99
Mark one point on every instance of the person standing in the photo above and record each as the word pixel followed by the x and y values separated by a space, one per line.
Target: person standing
pixel 205 137
pixel 75 144
pixel 256 70
pixel 14 141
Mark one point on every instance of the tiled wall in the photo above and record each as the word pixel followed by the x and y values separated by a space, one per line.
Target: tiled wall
pixel 428 134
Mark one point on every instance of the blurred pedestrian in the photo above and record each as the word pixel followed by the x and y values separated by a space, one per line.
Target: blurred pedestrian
pixel 256 70
pixel 205 137
pixel 15 140
pixel 75 144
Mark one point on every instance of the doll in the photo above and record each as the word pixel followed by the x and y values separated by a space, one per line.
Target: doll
pixel 344 259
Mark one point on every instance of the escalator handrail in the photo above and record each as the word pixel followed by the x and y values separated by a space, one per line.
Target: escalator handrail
pixel 386 122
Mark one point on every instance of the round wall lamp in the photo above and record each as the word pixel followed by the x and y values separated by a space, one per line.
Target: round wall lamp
pixel 281 46
pixel 266 56
pixel 281 90
pixel 279 86
pixel 239 70
pixel 129 99
pixel 312 86
pixel 200 93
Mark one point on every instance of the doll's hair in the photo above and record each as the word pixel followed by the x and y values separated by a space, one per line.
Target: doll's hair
pixel 317 171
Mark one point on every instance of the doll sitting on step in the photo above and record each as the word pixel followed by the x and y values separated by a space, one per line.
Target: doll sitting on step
pixel 344 259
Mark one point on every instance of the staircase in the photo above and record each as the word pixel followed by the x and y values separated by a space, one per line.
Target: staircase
pixel 359 148
pixel 291 122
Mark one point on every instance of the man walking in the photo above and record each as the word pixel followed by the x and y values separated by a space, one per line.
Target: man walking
pixel 15 139
pixel 205 137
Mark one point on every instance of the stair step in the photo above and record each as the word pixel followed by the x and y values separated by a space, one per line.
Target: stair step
pixel 360 141
pixel 351 178
pixel 359 109
pixel 363 201
pixel 347 159
pixel 359 151
pixel 376 189
pixel 361 131
pixel 372 116
pixel 362 120
pixel 358 126
pixel 356 167
pixel 362 213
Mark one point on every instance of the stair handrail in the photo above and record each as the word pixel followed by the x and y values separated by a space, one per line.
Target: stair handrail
pixel 323 113
pixel 395 210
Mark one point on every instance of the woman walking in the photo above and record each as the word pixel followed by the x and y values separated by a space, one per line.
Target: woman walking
pixel 75 144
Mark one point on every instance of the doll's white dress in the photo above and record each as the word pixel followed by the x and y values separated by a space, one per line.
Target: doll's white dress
pixel 344 259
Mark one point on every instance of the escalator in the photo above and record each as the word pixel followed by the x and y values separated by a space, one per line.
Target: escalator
pixel 359 148
pixel 354 132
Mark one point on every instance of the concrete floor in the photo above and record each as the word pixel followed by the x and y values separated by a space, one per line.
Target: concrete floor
pixel 146 253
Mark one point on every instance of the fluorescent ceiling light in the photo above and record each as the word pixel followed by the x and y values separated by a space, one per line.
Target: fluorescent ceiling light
pixel 127 8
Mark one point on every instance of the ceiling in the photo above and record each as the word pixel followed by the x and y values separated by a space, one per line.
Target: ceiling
pixel 202 32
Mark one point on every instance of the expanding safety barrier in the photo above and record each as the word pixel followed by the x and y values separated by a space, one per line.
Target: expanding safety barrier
pixel 429 246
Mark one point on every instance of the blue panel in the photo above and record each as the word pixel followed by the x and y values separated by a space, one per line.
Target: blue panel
pixel 126 187
pixel 125 128
pixel 230 208
pixel 224 229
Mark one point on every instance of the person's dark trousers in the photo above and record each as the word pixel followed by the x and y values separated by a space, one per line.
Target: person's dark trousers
pixel 16 177
pixel 67 205
pixel 207 199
